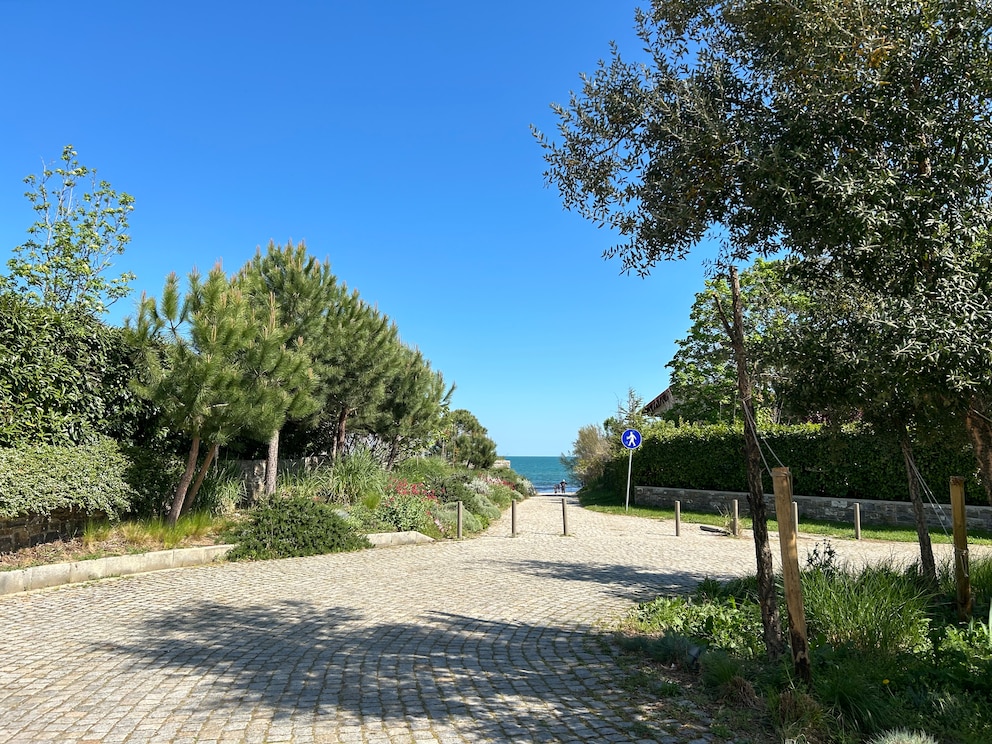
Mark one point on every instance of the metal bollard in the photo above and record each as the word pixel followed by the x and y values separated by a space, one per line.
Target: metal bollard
pixel 513 518
pixel 857 520
pixel 564 518
pixel 678 518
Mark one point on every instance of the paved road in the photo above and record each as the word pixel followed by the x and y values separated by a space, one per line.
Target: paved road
pixel 488 639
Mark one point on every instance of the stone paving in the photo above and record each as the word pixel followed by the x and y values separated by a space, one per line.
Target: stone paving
pixel 485 640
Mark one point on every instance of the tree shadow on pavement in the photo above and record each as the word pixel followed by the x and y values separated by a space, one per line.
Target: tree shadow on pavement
pixel 625 582
pixel 493 681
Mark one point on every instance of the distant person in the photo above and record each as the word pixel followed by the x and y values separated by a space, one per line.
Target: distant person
pixel 557 486
pixel 561 487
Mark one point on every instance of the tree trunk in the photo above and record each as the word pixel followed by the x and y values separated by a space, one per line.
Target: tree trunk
pixel 183 487
pixel 980 432
pixel 767 595
pixel 191 496
pixel 927 564
pixel 340 434
pixel 272 464
pixel 394 452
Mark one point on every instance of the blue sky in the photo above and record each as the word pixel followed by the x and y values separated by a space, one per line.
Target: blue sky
pixel 394 138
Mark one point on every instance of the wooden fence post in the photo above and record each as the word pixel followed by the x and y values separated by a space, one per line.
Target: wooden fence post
pixel 962 569
pixel 782 481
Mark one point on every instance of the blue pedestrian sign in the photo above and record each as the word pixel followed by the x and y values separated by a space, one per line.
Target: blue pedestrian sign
pixel 631 439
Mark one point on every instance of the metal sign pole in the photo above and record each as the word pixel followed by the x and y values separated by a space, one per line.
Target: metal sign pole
pixel 630 463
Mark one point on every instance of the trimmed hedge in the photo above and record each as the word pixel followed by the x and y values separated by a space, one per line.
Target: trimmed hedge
pixel 853 462
pixel 45 478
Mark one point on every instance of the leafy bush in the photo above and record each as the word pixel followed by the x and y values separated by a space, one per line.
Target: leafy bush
pixel 448 518
pixel 153 475
pixel 426 470
pixel 64 378
pixel 284 528
pixel 46 478
pixel 720 623
pixel 852 462
pixel 399 512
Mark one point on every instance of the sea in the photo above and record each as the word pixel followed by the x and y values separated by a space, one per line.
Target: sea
pixel 543 472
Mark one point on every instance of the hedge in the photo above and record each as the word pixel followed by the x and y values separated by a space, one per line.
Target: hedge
pixel 853 462
pixel 91 478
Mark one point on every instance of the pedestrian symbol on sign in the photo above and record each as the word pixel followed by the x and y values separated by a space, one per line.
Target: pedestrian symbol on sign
pixel 631 439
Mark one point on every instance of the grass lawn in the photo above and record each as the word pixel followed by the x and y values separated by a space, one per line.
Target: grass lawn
pixel 603 501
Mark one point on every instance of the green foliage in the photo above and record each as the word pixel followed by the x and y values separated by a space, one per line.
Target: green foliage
pixel 589 456
pixel 153 475
pixel 284 528
pixel 878 609
pixel 64 378
pixel 848 462
pixel 45 478
pixel 425 470
pixel 720 623
pixel 465 441
pixel 399 512
pixel 74 240
pixel 359 475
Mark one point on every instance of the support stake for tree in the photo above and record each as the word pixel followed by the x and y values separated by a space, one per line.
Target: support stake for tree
pixel 962 569
pixel 782 482
pixel 735 524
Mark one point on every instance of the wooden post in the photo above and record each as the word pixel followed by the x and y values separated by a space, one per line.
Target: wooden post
pixel 459 521
pixel 564 518
pixel 962 573
pixel 795 512
pixel 678 518
pixel 735 525
pixel 782 481
pixel 513 518
pixel 857 520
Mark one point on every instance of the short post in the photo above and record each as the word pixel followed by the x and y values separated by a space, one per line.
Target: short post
pixel 513 518
pixel 459 520
pixel 735 524
pixel 857 520
pixel 782 482
pixel 564 518
pixel 962 572
pixel 678 518
pixel 795 516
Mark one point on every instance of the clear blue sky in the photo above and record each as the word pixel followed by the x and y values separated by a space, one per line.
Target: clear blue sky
pixel 394 138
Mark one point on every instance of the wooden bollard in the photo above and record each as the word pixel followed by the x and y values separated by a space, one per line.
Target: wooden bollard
pixel 459 521
pixel 857 520
pixel 735 525
pixel 513 518
pixel 678 518
pixel 782 483
pixel 564 518
pixel 962 570
pixel 795 516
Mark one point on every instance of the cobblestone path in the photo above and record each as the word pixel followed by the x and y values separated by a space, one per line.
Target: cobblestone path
pixel 485 640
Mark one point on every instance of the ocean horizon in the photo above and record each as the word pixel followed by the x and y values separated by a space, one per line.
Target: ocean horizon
pixel 543 472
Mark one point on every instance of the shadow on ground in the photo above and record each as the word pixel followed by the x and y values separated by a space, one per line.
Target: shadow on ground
pixel 492 680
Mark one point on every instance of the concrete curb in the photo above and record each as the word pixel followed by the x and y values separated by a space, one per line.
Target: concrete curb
pixel 389 539
pixel 43 577
pixel 57 574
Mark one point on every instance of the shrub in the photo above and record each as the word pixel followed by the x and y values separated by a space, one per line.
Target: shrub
pixel 720 623
pixel 284 528
pixel 878 609
pixel 902 736
pixel 153 476
pixel 359 474
pixel 448 518
pixel 88 478
pixel 425 470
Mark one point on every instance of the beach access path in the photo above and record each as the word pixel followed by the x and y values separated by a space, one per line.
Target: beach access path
pixel 488 639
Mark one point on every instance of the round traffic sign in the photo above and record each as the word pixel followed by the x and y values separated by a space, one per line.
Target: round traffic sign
pixel 631 439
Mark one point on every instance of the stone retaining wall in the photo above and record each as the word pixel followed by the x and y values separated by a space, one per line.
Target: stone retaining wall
pixel 891 513
pixel 29 530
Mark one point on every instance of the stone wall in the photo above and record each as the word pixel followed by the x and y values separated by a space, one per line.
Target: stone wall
pixel 27 531
pixel 891 513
